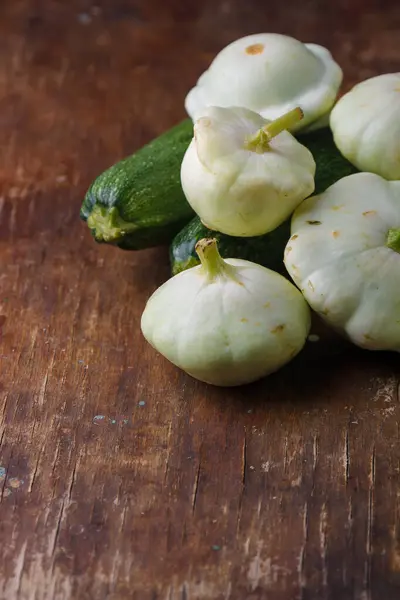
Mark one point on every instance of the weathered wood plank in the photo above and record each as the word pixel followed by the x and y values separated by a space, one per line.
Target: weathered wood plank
pixel 119 476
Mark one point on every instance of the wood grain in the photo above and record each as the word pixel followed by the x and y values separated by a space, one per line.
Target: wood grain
pixel 120 477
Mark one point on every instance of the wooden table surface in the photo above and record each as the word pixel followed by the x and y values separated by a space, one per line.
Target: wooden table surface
pixel 121 477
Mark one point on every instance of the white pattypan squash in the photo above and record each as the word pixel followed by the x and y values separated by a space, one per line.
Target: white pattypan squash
pixel 269 73
pixel 366 125
pixel 244 175
pixel 226 322
pixel 344 255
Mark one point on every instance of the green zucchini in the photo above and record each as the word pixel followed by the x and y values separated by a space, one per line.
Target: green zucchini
pixel 139 202
pixel 331 165
pixel 266 250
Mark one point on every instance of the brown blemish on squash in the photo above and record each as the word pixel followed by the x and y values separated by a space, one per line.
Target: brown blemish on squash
pixel 368 213
pixel 289 249
pixel 314 222
pixel 267 304
pixel 255 49
pixel 205 121
pixel 337 206
pixel 335 234
pixel 294 237
pixel 278 329
pixel 244 320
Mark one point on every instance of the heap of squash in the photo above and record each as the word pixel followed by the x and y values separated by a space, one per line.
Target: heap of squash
pixel 271 176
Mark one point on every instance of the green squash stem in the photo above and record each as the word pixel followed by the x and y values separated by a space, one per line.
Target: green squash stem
pixel 393 240
pixel 213 264
pixel 210 258
pixel 107 225
pixel 260 141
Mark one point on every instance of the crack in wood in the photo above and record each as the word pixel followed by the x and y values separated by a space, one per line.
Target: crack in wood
pixel 64 505
pixel 35 469
pixel 323 543
pixel 346 460
pixel 184 595
pixel 370 520
pixel 302 556
pixel 3 412
pixel 196 487
pixel 285 455
pixel 243 481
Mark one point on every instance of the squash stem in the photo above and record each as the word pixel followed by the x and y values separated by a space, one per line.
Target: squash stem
pixel 260 141
pixel 393 240
pixel 207 251
pixel 107 225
